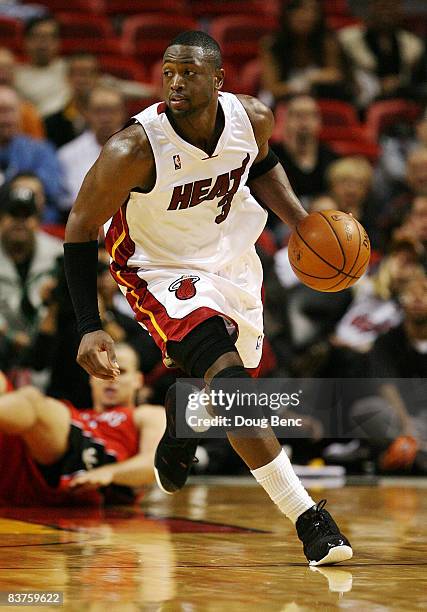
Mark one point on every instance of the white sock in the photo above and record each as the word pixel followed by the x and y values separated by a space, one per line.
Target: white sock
pixel 284 487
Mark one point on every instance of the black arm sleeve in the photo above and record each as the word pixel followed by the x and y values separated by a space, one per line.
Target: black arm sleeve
pixel 81 264
pixel 263 166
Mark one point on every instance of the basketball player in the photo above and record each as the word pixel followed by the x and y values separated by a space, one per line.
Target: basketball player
pixel 51 453
pixel 172 189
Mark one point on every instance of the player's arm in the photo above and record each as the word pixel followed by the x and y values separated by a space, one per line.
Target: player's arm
pixel 267 179
pixel 125 162
pixel 138 470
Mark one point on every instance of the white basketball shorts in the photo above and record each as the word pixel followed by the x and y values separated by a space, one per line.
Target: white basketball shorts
pixel 170 302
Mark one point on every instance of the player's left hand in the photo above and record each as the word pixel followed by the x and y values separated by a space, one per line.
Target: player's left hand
pixel 93 479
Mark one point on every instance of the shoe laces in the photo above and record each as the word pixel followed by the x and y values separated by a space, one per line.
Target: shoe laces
pixel 322 522
pixel 320 505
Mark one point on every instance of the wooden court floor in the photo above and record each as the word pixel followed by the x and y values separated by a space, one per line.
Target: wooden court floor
pixel 220 546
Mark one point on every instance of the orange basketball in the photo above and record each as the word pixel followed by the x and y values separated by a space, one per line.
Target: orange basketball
pixel 329 250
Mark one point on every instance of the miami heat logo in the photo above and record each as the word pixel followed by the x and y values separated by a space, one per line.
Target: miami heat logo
pixel 184 287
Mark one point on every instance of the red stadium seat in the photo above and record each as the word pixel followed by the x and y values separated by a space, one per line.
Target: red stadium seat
pixel 123 68
pixel 382 114
pixel 11 33
pixel 148 36
pixel 250 78
pixel 337 113
pixel 338 22
pixel 267 242
pixel 356 147
pixel 210 9
pixel 142 7
pixel 232 79
pixel 335 7
pixel 135 106
pixel 340 118
pixel 239 36
pixel 92 33
pixel 333 133
pixel 279 121
pixel 54 229
pixel 76 6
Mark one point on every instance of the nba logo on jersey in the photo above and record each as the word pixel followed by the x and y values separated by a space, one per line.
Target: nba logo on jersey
pixel 177 162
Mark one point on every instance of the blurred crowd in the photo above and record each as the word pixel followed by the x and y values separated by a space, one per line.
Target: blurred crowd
pixel 350 99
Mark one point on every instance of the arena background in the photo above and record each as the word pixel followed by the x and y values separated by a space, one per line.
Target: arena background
pixel 347 82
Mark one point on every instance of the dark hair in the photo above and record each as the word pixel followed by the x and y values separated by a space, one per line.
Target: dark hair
pixel 283 45
pixel 197 38
pixel 35 21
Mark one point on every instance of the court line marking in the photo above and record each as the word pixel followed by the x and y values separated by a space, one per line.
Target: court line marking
pixel 2 547
pixel 203 522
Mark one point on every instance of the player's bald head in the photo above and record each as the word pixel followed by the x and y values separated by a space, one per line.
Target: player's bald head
pixel 201 40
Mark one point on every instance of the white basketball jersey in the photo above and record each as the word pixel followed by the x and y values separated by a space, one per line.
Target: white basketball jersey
pixel 200 214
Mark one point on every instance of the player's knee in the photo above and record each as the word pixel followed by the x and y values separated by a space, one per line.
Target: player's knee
pixel 202 347
pixel 231 389
pixel 226 361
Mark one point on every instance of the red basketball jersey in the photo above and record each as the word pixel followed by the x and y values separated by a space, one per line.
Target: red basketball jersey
pixel 114 429
pixel 22 484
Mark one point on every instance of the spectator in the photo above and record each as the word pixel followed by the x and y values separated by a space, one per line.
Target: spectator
pixel 30 121
pixel 396 424
pixel 29 180
pixel 415 186
pixel 383 55
pixel 416 172
pixel 323 202
pixel 106 115
pixel 304 158
pixel 43 80
pixel 19 153
pixel 83 75
pixel 27 257
pixel 71 120
pixel 415 225
pixel 16 10
pixel 303 57
pixel 350 181
pixel 402 351
pixel 397 142
pixel 375 308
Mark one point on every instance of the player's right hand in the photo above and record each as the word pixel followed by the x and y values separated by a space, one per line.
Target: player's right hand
pixel 97 355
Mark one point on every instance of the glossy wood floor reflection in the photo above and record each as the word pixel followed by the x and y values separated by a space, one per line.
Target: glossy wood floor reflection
pixel 220 547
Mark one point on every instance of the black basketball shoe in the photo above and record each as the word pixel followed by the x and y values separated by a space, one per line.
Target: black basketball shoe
pixel 175 456
pixel 323 542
